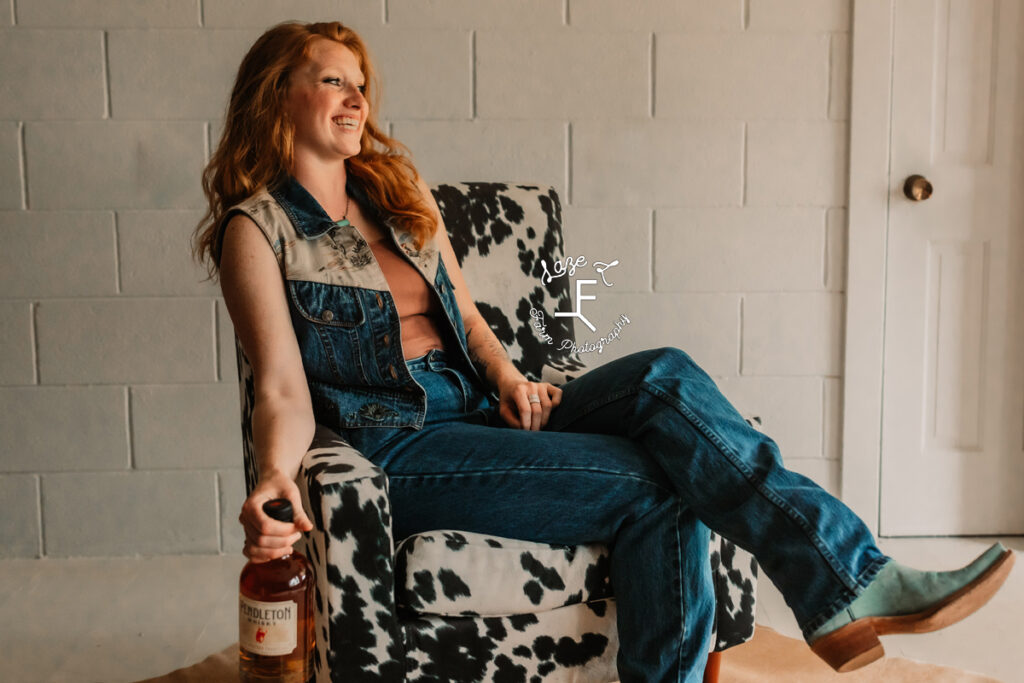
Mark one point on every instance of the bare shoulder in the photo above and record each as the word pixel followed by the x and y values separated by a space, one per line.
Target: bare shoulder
pixel 248 264
pixel 428 197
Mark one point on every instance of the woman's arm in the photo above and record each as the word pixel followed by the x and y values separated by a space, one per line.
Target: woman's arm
pixel 282 419
pixel 484 347
pixel 254 295
pixel 485 350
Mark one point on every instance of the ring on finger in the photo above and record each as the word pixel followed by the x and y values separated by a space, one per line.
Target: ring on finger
pixel 533 398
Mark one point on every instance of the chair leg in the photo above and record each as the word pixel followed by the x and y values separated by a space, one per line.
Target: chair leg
pixel 711 670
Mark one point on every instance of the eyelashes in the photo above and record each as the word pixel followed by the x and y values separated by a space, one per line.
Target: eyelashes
pixel 360 88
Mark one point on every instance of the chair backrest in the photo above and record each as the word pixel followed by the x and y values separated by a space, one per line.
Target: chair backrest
pixel 501 234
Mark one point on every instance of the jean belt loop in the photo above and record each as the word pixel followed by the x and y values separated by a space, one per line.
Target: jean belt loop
pixel 435 359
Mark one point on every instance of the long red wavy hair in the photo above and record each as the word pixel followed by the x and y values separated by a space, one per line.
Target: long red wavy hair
pixel 256 146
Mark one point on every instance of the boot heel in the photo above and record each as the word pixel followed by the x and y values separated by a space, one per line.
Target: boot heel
pixel 850 647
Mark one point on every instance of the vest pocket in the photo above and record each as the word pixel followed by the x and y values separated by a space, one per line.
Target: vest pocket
pixel 331 305
pixel 327 328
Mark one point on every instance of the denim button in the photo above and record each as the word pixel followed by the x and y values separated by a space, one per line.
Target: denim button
pixel 380 302
pixel 386 340
pixel 394 373
pixel 328 315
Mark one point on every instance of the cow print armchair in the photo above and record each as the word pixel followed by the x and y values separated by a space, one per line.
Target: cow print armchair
pixel 450 605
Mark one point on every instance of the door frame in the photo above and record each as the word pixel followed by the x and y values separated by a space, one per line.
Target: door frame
pixel 870 193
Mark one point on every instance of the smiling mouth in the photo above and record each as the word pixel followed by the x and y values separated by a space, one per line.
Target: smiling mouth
pixel 346 122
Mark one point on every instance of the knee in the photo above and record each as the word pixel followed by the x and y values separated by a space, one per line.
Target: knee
pixel 669 366
pixel 671 360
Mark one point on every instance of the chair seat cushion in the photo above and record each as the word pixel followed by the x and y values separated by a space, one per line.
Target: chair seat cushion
pixel 576 643
pixel 460 573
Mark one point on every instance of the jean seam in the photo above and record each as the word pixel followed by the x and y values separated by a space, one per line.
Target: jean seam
pixel 759 485
pixel 532 468
pixel 453 375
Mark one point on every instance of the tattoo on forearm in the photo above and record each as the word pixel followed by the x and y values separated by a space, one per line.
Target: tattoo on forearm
pixel 484 351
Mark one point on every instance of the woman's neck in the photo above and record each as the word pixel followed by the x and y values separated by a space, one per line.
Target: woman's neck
pixel 326 182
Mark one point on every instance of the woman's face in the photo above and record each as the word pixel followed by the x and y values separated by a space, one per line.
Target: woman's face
pixel 325 101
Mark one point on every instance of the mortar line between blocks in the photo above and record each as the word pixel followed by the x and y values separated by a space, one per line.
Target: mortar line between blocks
pixel 744 160
pixel 568 162
pixel 745 10
pixel 39 511
pixel 206 140
pixel 651 84
pixel 23 166
pixel 384 11
pixel 33 311
pixel 117 256
pixel 825 254
pixel 472 74
pixel 14 14
pixel 202 13
pixel 740 335
pixel 107 106
pixel 131 429
pixel 565 12
pixel 216 342
pixel 651 232
pixel 828 76
pixel 824 417
pixel 220 517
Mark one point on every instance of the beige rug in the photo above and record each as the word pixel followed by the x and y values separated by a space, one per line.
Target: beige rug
pixel 770 656
pixel 767 657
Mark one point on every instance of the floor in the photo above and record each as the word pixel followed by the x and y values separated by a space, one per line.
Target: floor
pixel 125 619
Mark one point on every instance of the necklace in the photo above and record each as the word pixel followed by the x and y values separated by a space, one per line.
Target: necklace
pixel 344 222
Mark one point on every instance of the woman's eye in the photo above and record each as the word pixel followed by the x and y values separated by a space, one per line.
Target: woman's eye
pixel 360 88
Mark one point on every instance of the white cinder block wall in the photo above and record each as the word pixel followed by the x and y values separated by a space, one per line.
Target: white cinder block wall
pixel 702 143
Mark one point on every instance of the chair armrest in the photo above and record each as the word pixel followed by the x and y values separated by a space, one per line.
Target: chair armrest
pixel 734 572
pixel 351 549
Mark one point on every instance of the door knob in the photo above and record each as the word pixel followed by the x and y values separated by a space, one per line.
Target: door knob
pixel 917 188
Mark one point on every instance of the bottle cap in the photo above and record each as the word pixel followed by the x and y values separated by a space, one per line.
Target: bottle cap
pixel 279 509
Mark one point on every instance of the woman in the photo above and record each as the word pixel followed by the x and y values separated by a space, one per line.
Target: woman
pixel 346 296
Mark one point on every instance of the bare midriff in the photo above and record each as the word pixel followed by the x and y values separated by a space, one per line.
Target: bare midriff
pixel 418 310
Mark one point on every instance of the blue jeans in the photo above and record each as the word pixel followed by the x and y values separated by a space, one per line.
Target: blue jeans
pixel 644 454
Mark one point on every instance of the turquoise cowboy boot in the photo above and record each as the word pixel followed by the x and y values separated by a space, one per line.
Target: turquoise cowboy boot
pixel 904 600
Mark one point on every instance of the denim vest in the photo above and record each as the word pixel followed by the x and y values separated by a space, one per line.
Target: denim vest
pixel 342 309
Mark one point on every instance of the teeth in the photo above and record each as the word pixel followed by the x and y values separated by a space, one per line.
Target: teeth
pixel 346 122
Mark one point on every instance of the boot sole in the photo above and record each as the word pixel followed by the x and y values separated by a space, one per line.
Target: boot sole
pixel 856 644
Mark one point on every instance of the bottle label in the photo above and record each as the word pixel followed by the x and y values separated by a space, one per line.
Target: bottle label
pixel 267 628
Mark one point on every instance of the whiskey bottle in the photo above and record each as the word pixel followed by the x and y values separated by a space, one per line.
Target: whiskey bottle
pixel 276 614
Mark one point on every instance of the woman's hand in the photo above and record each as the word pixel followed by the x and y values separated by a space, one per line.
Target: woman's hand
pixel 267 538
pixel 517 409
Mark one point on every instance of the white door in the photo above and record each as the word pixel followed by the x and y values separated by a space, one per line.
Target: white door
pixel 953 378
